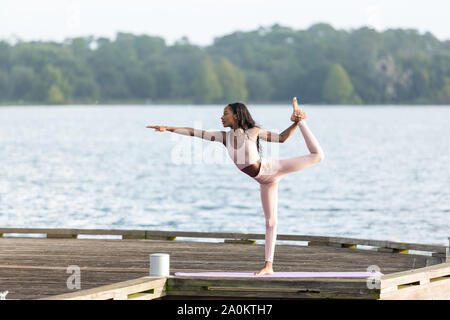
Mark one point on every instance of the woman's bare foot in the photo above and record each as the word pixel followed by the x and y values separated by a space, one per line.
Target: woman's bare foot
pixel 266 270
pixel 297 113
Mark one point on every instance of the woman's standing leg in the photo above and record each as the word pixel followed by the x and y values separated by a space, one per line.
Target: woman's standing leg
pixel 269 200
pixel 269 191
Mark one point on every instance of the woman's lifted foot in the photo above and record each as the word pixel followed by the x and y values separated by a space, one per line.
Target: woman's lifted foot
pixel 266 270
pixel 297 113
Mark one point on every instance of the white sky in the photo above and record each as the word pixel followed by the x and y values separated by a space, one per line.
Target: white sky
pixel 202 20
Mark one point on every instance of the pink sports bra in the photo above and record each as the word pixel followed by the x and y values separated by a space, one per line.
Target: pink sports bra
pixel 247 154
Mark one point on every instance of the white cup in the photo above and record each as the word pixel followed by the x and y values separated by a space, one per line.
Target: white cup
pixel 159 265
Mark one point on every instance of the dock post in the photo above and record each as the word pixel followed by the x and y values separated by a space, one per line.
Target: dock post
pixel 447 251
pixel 159 265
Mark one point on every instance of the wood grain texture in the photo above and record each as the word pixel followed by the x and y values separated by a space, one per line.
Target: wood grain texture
pixel 273 288
pixel 32 268
pixel 166 235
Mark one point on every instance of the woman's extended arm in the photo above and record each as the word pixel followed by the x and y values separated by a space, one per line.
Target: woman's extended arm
pixel 218 136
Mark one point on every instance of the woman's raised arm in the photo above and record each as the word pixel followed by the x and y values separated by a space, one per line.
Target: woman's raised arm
pixel 297 116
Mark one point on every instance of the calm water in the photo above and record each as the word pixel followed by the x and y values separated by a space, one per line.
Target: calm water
pixel 385 176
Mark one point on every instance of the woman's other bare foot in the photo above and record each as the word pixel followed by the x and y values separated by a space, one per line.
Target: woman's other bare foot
pixel 266 270
pixel 297 113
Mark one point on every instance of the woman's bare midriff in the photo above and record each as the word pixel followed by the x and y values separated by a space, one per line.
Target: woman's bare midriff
pixel 253 169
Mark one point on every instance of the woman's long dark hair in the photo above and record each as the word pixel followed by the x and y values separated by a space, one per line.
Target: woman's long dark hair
pixel 245 120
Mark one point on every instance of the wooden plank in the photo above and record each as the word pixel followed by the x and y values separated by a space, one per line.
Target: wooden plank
pixel 318 244
pixel 389 244
pixel 215 235
pixel 34 230
pixel 61 236
pixel 55 268
pixel 324 244
pixel 435 290
pixel 271 288
pixel 300 294
pixel 133 236
pixel 240 241
pixel 166 238
pixel 224 235
pixel 410 276
pixel 439 255
pixel 117 291
pixel 386 250
pixel 230 295
pixel 312 283
pixel 264 289
pixel 62 231
pixel 434 260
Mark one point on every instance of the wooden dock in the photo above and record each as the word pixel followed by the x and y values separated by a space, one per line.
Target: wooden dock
pixel 37 268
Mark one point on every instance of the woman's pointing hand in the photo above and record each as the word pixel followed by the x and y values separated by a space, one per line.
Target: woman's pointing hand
pixel 158 128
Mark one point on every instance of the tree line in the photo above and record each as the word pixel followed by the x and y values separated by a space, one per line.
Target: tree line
pixel 320 65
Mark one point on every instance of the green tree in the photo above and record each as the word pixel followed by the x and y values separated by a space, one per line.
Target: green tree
pixel 338 88
pixel 259 86
pixel 109 71
pixel 232 81
pixel 22 81
pixel 55 95
pixel 169 83
pixel 443 96
pixel 4 88
pixel 206 85
pixel 54 85
pixel 184 60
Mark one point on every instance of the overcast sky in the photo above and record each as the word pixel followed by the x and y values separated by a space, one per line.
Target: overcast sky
pixel 202 20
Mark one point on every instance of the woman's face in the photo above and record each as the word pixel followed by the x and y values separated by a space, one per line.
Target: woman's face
pixel 228 117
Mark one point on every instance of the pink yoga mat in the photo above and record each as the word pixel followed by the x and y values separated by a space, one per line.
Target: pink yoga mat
pixel 282 274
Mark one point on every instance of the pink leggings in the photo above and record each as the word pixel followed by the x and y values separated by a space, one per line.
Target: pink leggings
pixel 270 174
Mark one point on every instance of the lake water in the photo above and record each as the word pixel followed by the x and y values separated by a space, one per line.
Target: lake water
pixel 385 175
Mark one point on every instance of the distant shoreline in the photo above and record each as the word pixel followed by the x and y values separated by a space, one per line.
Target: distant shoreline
pixel 176 104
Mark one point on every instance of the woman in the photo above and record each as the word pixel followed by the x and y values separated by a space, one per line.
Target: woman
pixel 242 142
